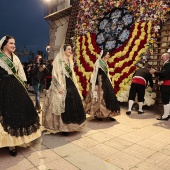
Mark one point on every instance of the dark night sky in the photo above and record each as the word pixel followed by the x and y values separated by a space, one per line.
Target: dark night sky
pixel 24 20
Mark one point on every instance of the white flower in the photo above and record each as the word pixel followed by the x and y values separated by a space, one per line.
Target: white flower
pixel 149 96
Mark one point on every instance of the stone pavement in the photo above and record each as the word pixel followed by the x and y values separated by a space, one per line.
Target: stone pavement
pixel 135 142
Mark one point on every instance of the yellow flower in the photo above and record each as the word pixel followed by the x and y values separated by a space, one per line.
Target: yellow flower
pixel 125 83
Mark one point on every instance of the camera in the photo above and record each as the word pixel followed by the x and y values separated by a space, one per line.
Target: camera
pixel 42 62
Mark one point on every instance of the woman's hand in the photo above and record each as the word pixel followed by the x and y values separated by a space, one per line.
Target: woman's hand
pixel 96 88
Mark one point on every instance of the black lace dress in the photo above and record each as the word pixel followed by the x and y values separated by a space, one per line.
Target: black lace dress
pixel 106 103
pixel 72 119
pixel 108 92
pixel 18 118
pixel 74 111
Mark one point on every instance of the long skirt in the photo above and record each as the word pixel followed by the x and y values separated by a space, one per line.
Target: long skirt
pixel 19 121
pixel 104 104
pixel 73 119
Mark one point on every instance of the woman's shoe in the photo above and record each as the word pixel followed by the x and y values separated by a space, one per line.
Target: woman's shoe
pixel 111 118
pixel 65 133
pixel 128 112
pixel 13 152
pixel 99 119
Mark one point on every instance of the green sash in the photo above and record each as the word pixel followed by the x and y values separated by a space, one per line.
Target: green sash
pixel 103 66
pixel 69 71
pixel 4 58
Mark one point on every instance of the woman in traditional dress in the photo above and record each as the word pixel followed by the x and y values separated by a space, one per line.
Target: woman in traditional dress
pixel 63 109
pixel 19 121
pixel 101 101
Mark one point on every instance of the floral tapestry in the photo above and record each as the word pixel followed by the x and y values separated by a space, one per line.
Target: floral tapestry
pixel 127 29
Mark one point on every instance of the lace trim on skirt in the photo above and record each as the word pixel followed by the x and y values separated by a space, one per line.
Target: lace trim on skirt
pixel 23 131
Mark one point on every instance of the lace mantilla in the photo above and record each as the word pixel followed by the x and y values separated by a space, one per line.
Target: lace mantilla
pixel 18 67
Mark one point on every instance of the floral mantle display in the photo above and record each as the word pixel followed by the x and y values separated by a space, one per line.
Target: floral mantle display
pixel 91 11
pixel 114 29
pixel 136 45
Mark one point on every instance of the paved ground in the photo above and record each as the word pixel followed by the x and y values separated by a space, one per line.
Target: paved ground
pixel 135 142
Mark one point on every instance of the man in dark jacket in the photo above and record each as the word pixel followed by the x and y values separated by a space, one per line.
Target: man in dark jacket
pixel 164 82
pixel 49 75
pixel 140 81
pixel 38 73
